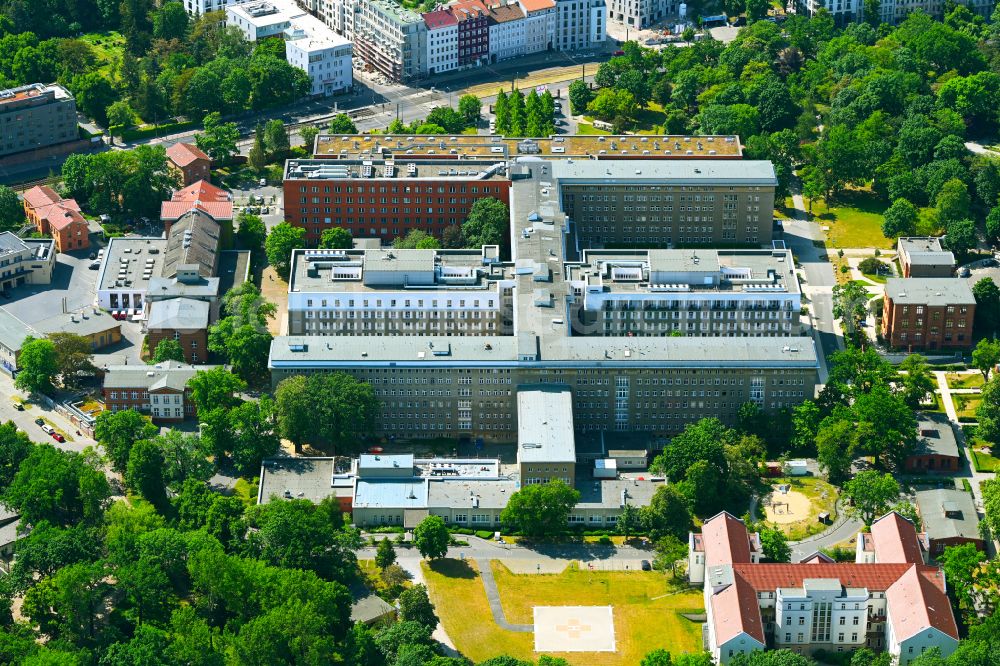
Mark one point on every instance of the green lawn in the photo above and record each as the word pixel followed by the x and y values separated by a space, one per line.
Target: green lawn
pixel 587 128
pixel 966 406
pixel 878 279
pixel 964 381
pixel 108 47
pixel 646 611
pixel 984 462
pixel 650 119
pixel 855 220
pixel 938 406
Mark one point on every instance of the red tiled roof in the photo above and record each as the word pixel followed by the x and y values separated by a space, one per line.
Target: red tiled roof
pixel 202 196
pixel 505 13
pixel 41 195
pixel 465 9
pixel 895 540
pixel 916 603
pixel 725 540
pixel 879 577
pixel 438 18
pixel 62 215
pixel 183 154
pixel 537 5
pixel 201 190
pixel 735 610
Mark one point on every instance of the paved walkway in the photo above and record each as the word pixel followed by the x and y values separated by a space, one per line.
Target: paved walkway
pixel 493 597
pixel 844 528
pixel 949 408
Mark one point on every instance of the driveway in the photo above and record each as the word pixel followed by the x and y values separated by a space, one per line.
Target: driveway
pixel 73 287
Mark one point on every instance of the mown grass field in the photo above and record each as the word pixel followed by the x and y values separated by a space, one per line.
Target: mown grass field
pixel 964 381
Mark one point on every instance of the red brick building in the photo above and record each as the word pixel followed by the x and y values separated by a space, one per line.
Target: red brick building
pixel 60 218
pixel 928 313
pixel 189 162
pixel 214 201
pixel 184 320
pixel 473 31
pixel 387 198
pixel 159 391
pixel 936 449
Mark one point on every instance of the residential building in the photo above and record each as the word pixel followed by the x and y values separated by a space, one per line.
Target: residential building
pixel 928 313
pixel 896 11
pixel 506 23
pixel 185 320
pixel 924 257
pixel 59 218
pixel 692 292
pixel 655 384
pixel 936 449
pixel 539 25
pixel 442 41
pixel 949 518
pixel 159 391
pixel 641 14
pixel 473 32
pixel 390 39
pixel 310 45
pixel 13 331
pixel 892 539
pixel 99 327
pixel 841 11
pixel 206 198
pixel 25 261
pixel 189 162
pixel 35 116
pixel 201 7
pixel 898 607
pixel 580 24
pixel 392 197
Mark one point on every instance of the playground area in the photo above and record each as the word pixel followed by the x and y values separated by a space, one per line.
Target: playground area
pixel 796 504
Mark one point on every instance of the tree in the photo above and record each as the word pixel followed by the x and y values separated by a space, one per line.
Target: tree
pixel 336 238
pixel 120 115
pixel 666 514
pixel 988 412
pixel 276 138
pixel 835 446
pixel 11 210
pixel 279 245
pixel 487 223
pixel 918 381
pixel 774 545
pixel 985 356
pixel 14 448
pixel 218 139
pixel 987 306
pixel 309 134
pixel 756 9
pixel 658 657
pixel 251 231
pixel 991 504
pixel 993 223
pixel 145 474
pixel 59 487
pixel 501 109
pixel 629 520
pixel 38 364
pixel 257 157
pixel 850 305
pixel 94 95
pixel 185 456
pixel 325 408
pixel 342 124
pixel 871 494
pixel 518 114
pixel 960 564
pixel 211 389
pixel 771 658
pixel 611 103
pixel 168 349
pixel 900 219
pixel 452 238
pixel 470 107
pixel 669 549
pixel 540 509
pixel 431 537
pixel 385 554
pixel 170 22
pixel 885 427
pixel 254 428
pixel 960 236
pixel 66 605
pixel 118 432
pixel 242 336
pixel 416 606
pixel 416 239
pixel 74 356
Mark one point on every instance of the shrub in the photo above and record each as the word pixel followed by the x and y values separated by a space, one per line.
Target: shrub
pixel 872 266
pixel 605 541
pixel 484 534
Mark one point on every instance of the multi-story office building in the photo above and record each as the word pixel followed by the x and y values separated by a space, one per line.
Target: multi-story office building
pixel 465 384
pixel 399 292
pixel 580 24
pixel 641 14
pixel 442 41
pixel 387 198
pixel 894 603
pixel 389 38
pixel 690 292
pixel 473 32
pixel 669 204
pixel 309 44
pixel 539 25
pixel 928 313
pixel 36 116
pixel 506 31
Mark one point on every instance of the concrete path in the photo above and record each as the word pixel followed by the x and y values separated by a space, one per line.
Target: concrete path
pixel 843 529
pixel 493 597
pixel 949 407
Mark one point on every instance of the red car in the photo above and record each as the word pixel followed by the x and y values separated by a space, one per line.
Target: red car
pixel 59 438
pixel 619 52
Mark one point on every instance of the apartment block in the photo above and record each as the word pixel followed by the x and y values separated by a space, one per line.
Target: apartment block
pixel 896 604
pixel 690 292
pixel 466 384
pixel 580 24
pixel 924 257
pixel 387 198
pixel 36 116
pixel 189 162
pixel 641 14
pixel 539 25
pixel 507 36
pixel 928 313
pixel 200 7
pixel 442 41
pixel 389 39
pixel 473 32
pixel 25 261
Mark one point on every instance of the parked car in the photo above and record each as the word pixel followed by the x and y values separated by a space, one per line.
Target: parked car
pixel 18 406
pixel 990 263
pixel 47 429
pixel 619 52
pixel 40 421
pixel 645 565
pixel 94 265
pixel 59 438
pixel 964 272
pixel 263 182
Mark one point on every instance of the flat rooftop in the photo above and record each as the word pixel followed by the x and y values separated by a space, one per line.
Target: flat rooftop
pixel 266 12
pixel 33 91
pixel 545 425
pixel 687 172
pixel 613 493
pixel 87 321
pixel 130 263
pixel 375 270
pixel 300 478
pixel 929 291
pixel 367 146
pixel 399 168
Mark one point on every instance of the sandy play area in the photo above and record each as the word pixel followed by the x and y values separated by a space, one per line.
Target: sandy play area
pixel 790 507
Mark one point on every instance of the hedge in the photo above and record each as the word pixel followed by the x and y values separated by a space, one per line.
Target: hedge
pixel 484 534
pixel 169 128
